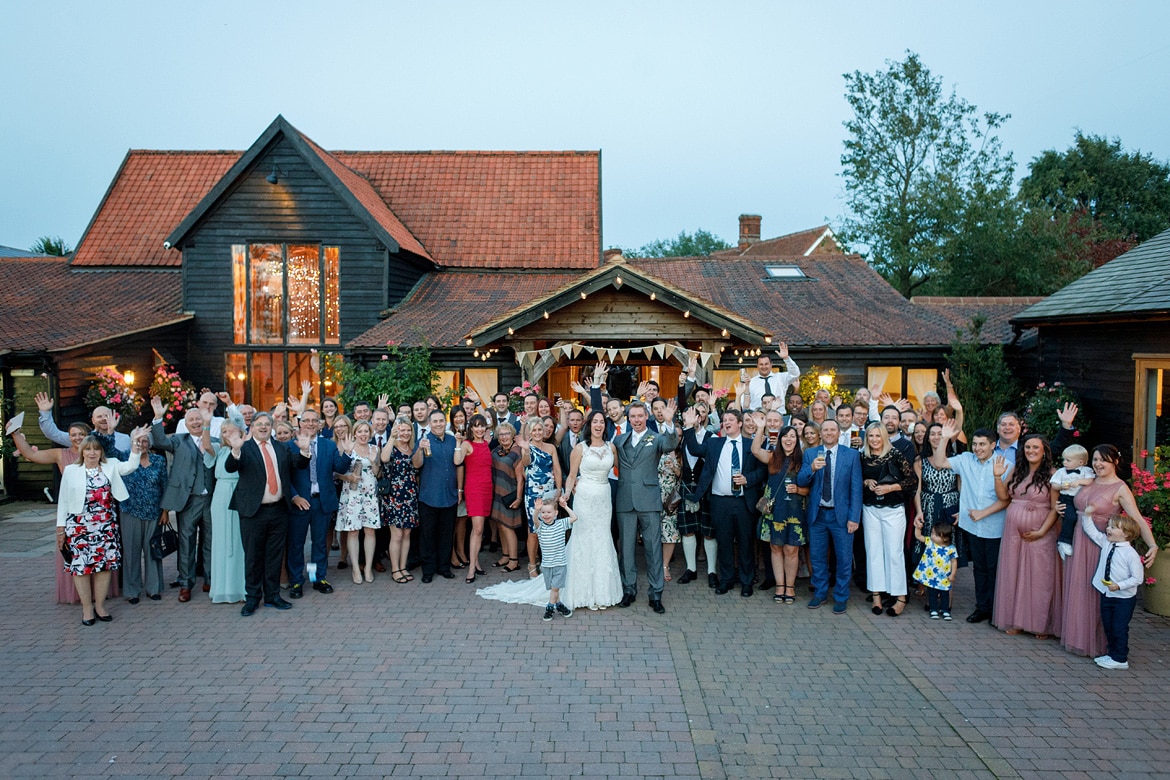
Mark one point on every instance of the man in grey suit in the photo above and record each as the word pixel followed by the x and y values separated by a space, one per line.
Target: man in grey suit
pixel 639 499
pixel 188 488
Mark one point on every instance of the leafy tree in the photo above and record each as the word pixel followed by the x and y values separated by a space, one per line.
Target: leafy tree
pixel 51 245
pixel 406 376
pixel 916 160
pixel 1101 199
pixel 702 242
pixel 981 377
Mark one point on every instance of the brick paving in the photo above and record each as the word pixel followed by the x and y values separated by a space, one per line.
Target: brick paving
pixel 415 680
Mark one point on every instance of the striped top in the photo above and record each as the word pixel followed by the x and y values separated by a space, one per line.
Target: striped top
pixel 552 542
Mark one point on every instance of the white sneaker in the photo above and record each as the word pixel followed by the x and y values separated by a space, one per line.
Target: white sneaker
pixel 1106 662
pixel 1065 550
pixel 1101 658
pixel 934 614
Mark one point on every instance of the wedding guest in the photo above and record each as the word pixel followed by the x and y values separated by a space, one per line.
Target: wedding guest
pixel 508 494
pixel 477 488
pixel 140 517
pixel 330 408
pixel 357 510
pixel 888 480
pixel 784 525
pixel 833 475
pixel 542 475
pixel 315 500
pixel 769 382
pixel 937 499
pixel 400 505
pixel 695 512
pixel 438 497
pixel 104 428
pixel 87 526
pixel 227 546
pixel 1118 574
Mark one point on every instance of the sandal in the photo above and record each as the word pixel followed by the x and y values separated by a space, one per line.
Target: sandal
pixel 394 576
pixel 511 569
pixel 502 563
pixel 790 598
pixel 899 605
pixel 877 603
pixel 458 563
pixel 666 573
pixel 532 572
pixel 779 598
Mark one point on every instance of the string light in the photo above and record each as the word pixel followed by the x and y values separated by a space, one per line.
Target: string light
pixel 582 296
pixel 653 296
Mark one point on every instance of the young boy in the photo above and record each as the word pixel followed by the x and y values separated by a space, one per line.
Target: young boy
pixel 1075 475
pixel 553 560
pixel 1119 572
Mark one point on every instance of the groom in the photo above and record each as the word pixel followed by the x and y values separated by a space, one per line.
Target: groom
pixel 639 499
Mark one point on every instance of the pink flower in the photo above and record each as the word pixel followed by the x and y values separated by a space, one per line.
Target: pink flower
pixel 103 392
pixel 117 398
pixel 1145 453
pixel 385 357
pixel 1151 582
pixel 1041 384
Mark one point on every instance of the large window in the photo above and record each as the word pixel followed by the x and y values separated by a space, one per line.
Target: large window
pixel 285 308
pixel 911 383
pixel 1150 425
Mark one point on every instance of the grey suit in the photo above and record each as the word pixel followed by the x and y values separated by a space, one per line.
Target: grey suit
pixel 639 506
pixel 188 495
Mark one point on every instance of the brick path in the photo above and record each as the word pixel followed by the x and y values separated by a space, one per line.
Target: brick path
pixel 389 680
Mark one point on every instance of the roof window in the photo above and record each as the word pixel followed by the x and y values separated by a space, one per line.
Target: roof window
pixel 783 271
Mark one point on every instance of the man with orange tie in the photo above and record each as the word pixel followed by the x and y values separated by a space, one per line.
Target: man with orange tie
pixel 263 498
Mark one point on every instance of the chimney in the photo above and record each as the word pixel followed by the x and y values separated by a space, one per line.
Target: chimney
pixel 749 230
pixel 611 254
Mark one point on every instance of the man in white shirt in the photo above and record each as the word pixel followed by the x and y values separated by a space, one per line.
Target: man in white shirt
pixel 769 382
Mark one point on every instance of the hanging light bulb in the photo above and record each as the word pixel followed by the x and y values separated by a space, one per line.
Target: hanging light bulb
pixel 653 296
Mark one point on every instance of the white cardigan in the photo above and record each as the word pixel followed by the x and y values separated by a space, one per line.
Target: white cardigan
pixel 71 501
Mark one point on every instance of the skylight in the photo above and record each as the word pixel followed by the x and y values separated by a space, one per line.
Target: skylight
pixel 784 271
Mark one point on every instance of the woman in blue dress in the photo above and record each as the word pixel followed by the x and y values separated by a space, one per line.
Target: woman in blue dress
pixel 783 527
pixel 542 475
pixel 227 546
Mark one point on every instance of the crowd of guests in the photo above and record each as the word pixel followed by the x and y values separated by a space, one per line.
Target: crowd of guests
pixel 874 494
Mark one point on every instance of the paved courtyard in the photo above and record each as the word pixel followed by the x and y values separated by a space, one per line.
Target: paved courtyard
pixel 388 680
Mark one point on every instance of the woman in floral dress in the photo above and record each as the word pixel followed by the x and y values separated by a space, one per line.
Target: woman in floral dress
pixel 358 509
pixel 542 474
pixel 400 505
pixel 669 474
pixel 784 527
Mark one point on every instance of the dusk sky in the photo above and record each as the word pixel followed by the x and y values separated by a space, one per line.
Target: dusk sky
pixel 702 111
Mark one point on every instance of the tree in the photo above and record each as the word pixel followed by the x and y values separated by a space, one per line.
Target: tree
pixel 51 245
pixel 982 379
pixel 405 376
pixel 1100 199
pixel 685 245
pixel 915 161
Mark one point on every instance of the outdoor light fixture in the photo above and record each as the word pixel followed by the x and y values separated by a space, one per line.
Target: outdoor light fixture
pixel 618 281
pixel 687 313
pixel 129 377
pixel 273 178
pixel 725 333
pixel 653 296
pixel 510 331
pixel 469 342
pixel 582 296
pixel 825 381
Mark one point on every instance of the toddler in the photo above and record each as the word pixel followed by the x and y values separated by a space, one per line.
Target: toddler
pixel 554 561
pixel 937 568
pixel 1119 572
pixel 1069 480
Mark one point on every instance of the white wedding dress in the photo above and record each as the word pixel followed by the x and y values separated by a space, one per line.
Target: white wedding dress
pixel 594 580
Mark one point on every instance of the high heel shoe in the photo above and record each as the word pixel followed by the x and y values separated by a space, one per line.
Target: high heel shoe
pixel 899 605
pixel 790 598
pixel 104 618
pixel 515 565
pixel 876 599
pixel 89 622
pixel 369 576
pixel 357 575
pixel 458 563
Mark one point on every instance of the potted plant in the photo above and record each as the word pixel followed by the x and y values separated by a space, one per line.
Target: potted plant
pixel 1151 490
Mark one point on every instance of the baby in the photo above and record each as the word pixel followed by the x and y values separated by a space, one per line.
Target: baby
pixel 1069 480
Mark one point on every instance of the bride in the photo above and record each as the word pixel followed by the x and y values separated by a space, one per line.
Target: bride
pixel 594 580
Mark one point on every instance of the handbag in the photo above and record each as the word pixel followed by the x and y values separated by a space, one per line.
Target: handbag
pixel 764 505
pixel 66 552
pixel 671 502
pixel 507 499
pixel 385 486
pixel 163 541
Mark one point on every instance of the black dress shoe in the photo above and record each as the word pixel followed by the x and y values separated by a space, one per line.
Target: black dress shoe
pixel 687 576
pixel 428 578
pixel 712 581
pixel 656 605
pixel 322 586
pixel 446 575
pixel 296 592
pixel 977 617
pixel 747 591
pixel 155 597
pixel 277 603
pixel 627 600
pixel 249 609
pixel 768 583
pixel 722 591
pixel 342 565
pixel 105 618
pixel 89 622
pixel 176 584
pixel 133 600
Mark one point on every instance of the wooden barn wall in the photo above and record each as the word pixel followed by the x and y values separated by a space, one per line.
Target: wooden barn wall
pixel 302 208
pixel 1096 362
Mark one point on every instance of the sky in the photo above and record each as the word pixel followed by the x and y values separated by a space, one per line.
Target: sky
pixel 702 111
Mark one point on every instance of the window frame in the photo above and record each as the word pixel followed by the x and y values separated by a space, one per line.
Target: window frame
pixel 329 310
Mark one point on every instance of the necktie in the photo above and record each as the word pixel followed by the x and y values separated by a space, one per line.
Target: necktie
pixel 768 385
pixel 313 465
pixel 827 490
pixel 269 467
pixel 735 467
pixel 1109 560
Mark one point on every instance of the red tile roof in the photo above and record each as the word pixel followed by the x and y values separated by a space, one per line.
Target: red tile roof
pixel 996 310
pixel 150 195
pixel 818 240
pixel 444 306
pixel 493 209
pixel 49 307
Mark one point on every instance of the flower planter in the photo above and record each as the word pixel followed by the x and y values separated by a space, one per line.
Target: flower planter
pixel 1156 598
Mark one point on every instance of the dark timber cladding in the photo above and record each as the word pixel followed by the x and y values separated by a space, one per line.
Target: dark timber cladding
pixel 300 208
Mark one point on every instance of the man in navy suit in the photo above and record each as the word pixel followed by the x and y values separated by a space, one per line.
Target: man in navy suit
pixel 734 478
pixel 314 499
pixel 834 510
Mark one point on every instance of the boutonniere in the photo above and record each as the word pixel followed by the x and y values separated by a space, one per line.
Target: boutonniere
pixel 649 439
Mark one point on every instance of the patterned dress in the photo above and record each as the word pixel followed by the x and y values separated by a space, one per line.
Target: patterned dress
pixel 668 477
pixel 400 507
pixel 359 502
pixel 93 534
pixel 786 524
pixel 934 568
pixel 538 480
pixel 940 502
pixel 504 487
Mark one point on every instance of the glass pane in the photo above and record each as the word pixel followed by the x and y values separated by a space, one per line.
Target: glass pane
pixel 486 382
pixel 304 295
pixel 722 379
pixel 332 328
pixel 888 378
pixel 267 268
pixel 239 292
pixel 236 376
pixel 329 368
pixel 448 382
pixel 267 380
pixel 919 382
pixel 302 367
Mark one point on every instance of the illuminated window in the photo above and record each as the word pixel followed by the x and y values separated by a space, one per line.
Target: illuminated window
pixel 285 294
pixel 1150 427
pixel 913 383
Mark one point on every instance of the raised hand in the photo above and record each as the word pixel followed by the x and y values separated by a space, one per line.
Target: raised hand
pixel 158 407
pixel 233 439
pixel 304 441
pixel 671 408
pixel 383 401
pixel 44 402
pixel 579 388
pixel 999 466
pixel 642 388
pixel 280 408
pixel 885 399
pixel 224 396
pixel 206 415
pixel 600 372
pixel 903 405
pixel 950 430
pixel 1067 415
pixel 472 396
pixel 692 366
pixel 690 417
pixel 782 350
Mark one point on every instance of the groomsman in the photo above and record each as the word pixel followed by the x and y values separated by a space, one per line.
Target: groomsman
pixel 769 382
pixel 314 501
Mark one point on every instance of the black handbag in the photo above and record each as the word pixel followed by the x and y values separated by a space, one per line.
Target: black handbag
pixel 163 541
pixel 66 552
pixel 385 486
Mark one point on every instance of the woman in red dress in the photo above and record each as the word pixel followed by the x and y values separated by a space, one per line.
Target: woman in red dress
pixel 478 491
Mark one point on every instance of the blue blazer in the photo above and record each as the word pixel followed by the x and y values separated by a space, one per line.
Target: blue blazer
pixel 329 461
pixel 846 483
pixel 709 451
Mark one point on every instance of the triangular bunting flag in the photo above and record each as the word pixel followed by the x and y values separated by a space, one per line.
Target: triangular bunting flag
pixel 624 354
pixel 647 351
pixel 659 348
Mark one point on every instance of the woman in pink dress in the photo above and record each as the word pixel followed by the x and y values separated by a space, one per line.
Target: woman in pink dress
pixel 1080 626
pixel 1028 585
pixel 478 490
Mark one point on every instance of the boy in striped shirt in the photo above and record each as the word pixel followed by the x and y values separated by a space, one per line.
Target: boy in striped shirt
pixel 553 560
